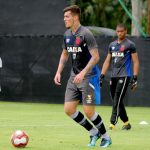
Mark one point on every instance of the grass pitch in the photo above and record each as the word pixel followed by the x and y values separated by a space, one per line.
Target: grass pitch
pixel 50 129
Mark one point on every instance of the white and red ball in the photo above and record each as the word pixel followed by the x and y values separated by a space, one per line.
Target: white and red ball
pixel 19 138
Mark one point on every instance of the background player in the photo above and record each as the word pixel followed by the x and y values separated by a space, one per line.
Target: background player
pixel 121 52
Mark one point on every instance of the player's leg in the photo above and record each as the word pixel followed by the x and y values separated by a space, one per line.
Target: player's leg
pixel 77 116
pixel 124 118
pixel 122 111
pixel 113 85
pixel 89 111
pixel 118 106
pixel 89 94
pixel 98 122
pixel 72 97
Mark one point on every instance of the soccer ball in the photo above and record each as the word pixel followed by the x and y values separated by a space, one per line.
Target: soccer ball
pixel 19 138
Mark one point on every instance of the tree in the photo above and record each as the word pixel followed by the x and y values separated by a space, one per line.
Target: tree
pixel 137 15
pixel 103 13
pixel 108 13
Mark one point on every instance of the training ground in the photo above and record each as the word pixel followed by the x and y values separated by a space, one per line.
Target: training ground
pixel 50 129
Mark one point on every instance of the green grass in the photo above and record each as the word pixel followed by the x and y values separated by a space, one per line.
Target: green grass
pixel 50 129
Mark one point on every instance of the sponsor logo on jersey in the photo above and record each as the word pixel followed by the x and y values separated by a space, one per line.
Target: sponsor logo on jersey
pixel 78 41
pixel 74 49
pixel 122 48
pixel 117 54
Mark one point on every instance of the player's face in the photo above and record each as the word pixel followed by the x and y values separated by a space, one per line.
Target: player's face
pixel 121 32
pixel 68 19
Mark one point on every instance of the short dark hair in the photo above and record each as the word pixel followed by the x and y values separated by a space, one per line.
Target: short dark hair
pixel 121 25
pixel 74 9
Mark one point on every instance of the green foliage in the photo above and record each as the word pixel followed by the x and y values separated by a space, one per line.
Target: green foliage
pixel 105 13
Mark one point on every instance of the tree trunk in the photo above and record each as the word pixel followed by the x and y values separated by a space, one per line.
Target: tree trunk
pixel 137 14
pixel 148 19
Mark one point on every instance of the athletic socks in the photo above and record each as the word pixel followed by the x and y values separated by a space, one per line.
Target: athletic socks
pixel 97 121
pixel 93 131
pixel 80 119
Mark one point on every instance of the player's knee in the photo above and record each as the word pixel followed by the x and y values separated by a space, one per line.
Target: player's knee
pixel 89 114
pixel 69 111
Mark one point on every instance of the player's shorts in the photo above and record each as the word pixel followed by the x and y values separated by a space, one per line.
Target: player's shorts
pixel 88 92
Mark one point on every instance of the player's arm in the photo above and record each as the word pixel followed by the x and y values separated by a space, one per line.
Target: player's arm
pixel 106 64
pixel 93 61
pixel 63 59
pixel 135 60
pixel 105 67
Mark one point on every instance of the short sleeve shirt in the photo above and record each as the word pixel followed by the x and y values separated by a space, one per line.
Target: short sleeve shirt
pixel 78 46
pixel 121 57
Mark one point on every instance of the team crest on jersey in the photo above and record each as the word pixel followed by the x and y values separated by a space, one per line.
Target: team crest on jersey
pixel 78 40
pixel 122 48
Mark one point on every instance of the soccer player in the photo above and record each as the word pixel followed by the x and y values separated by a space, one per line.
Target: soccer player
pixel 121 54
pixel 83 83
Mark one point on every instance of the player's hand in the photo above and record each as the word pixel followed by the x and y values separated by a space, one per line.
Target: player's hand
pixel 101 79
pixel 79 78
pixel 57 79
pixel 133 83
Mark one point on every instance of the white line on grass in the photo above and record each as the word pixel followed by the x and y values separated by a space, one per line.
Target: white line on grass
pixel 50 125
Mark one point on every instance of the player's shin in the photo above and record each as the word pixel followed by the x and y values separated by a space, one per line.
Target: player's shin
pixel 97 121
pixel 80 119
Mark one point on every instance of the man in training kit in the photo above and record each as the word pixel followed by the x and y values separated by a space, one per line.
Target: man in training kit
pixel 83 83
pixel 121 53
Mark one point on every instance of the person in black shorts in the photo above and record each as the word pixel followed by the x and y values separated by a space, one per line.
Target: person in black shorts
pixel 83 83
pixel 121 54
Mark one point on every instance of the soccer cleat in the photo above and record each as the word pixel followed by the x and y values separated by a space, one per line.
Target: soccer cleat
pixel 93 139
pixel 105 142
pixel 126 127
pixel 112 127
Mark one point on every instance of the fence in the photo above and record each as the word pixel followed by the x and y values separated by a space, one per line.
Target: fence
pixel 30 63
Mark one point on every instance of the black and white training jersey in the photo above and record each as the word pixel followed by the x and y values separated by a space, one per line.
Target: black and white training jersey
pixel 121 57
pixel 78 46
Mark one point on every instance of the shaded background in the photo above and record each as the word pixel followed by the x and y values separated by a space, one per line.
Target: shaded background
pixel 30 63
pixel 31 34
pixel 27 17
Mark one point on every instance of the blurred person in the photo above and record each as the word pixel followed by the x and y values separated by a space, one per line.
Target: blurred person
pixel 83 83
pixel 121 54
pixel 0 68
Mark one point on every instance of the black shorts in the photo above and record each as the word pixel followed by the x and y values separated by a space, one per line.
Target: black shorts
pixel 88 91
